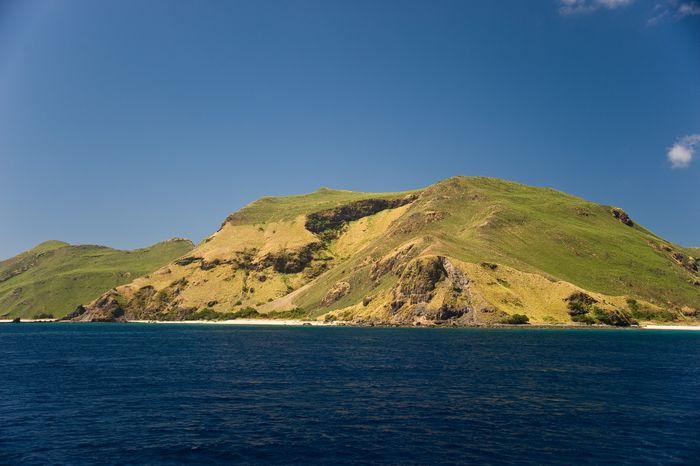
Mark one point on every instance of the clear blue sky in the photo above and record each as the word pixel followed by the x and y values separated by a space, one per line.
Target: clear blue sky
pixel 127 122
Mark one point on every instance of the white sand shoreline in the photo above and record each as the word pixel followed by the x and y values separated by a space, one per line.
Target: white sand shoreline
pixel 671 327
pixel 316 323
pixel 286 322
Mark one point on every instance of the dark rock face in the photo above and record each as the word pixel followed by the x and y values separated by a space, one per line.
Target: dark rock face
pixel 417 285
pixel 336 218
pixel 622 216
pixel 447 312
pixel 433 289
pixel 418 282
pixel 107 309
pixel 80 310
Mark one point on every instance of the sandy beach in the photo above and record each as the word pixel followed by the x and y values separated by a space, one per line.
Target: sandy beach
pixel 315 323
pixel 288 322
pixel 672 327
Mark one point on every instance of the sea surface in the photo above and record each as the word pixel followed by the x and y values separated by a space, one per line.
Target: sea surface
pixel 169 394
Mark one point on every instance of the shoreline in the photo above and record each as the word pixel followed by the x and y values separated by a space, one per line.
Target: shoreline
pixel 281 322
pixel 671 327
pixel 316 323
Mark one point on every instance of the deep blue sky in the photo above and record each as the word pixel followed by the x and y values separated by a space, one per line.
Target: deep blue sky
pixel 128 122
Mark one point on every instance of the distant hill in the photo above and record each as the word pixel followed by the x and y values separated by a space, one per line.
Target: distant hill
pixel 55 277
pixel 463 251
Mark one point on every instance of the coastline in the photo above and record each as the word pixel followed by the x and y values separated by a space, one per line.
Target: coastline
pixel 282 322
pixel 671 327
pixel 316 323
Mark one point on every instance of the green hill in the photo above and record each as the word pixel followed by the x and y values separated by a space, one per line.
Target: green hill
pixel 463 251
pixel 55 277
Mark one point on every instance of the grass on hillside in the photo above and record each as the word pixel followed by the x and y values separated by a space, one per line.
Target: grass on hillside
pixel 59 277
pixel 543 231
pixel 547 243
pixel 275 209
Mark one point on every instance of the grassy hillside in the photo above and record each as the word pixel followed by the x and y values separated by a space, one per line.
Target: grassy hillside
pixel 465 250
pixel 55 277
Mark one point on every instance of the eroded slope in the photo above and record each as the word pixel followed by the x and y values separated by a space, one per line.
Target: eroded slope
pixel 465 250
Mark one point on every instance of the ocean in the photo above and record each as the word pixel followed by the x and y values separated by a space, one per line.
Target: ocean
pixel 171 394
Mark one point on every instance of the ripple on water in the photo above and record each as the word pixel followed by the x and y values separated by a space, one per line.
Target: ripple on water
pixel 113 394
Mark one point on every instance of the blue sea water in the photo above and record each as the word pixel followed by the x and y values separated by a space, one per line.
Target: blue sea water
pixel 168 394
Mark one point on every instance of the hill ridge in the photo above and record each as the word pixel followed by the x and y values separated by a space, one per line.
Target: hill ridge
pixel 397 258
pixel 54 277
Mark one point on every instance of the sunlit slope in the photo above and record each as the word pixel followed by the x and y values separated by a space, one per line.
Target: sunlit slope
pixel 55 277
pixel 465 250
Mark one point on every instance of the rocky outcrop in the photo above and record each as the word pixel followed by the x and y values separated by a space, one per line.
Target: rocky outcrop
pixel 393 262
pixel 418 282
pixel 144 303
pixel 455 276
pixel 684 260
pixel 340 289
pixel 432 289
pixel 106 308
pixel 413 295
pixel 622 216
pixel 79 311
pixel 336 218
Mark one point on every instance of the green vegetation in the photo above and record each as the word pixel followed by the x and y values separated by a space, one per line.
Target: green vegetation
pixel 516 319
pixel 639 312
pixel 211 314
pixel 208 314
pixel 498 248
pixel 582 309
pixel 55 277
pixel 246 313
pixel 296 313
pixel 579 304
pixel 271 209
